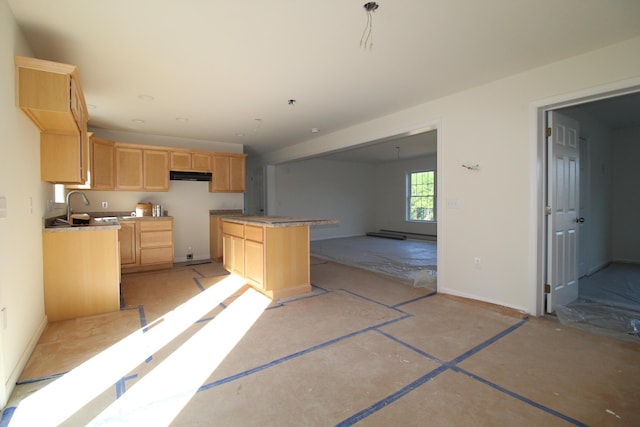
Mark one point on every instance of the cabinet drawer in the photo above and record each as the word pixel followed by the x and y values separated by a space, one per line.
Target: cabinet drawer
pixel 154 239
pixel 252 232
pixel 155 225
pixel 233 229
pixel 156 256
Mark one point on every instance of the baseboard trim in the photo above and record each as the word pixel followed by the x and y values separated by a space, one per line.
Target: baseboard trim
pixel 10 384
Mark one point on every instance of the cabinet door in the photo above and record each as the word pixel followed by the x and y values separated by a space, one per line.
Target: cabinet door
pixel 215 238
pixel 233 249
pixel 254 262
pixel 180 161
pixel 129 168
pixel 60 158
pixel 102 164
pixel 201 162
pixel 227 251
pixel 220 178
pixel 156 170
pixel 236 174
pixel 127 237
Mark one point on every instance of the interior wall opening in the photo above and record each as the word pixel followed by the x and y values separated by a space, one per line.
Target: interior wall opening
pixel 607 261
pixel 365 188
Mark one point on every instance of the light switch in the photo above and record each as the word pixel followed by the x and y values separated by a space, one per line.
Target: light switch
pixel 453 203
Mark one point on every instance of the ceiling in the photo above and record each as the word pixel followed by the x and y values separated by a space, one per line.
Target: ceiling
pixel 225 70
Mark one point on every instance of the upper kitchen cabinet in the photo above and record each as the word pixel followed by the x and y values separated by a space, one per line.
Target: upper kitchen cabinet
pixel 185 160
pixel 102 164
pixel 50 94
pixel 128 168
pixel 140 169
pixel 155 170
pixel 228 173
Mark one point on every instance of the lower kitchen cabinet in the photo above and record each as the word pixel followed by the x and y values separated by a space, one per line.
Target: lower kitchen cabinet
pixel 81 273
pixel 127 236
pixel 146 244
pixel 274 260
pixel 233 248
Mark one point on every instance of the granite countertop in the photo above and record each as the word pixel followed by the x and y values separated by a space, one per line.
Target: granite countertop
pixel 225 212
pixel 98 221
pixel 279 221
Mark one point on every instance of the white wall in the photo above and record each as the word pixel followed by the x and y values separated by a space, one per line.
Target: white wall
pixel 626 195
pixel 21 284
pixel 391 189
pixel 328 189
pixel 495 126
pixel 596 245
pixel 188 202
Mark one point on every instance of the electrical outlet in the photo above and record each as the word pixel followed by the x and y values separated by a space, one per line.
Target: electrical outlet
pixel 105 205
pixel 189 256
pixel 477 261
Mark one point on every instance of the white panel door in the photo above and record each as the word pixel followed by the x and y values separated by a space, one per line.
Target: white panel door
pixel 564 194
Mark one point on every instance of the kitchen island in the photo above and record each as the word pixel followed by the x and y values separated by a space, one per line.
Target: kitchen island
pixel 270 252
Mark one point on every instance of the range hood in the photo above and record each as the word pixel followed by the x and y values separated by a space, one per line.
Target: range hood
pixel 190 176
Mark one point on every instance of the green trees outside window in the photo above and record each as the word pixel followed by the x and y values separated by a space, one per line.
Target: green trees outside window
pixel 421 196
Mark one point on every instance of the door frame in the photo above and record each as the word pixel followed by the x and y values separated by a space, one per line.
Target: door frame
pixel 537 117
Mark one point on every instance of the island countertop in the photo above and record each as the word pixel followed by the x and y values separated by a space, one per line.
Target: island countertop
pixel 279 221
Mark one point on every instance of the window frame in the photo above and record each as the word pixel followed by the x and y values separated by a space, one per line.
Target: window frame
pixel 409 196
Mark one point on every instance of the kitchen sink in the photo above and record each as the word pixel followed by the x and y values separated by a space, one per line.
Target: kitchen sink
pixel 94 222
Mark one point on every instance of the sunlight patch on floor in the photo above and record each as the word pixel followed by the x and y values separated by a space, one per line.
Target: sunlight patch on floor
pixel 160 396
pixel 62 398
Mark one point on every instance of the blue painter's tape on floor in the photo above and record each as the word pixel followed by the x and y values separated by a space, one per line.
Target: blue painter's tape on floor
pixel 6 416
pixel 295 355
pixel 488 342
pixel 453 366
pixel 391 398
pixel 195 279
pixel 416 299
pixel 521 398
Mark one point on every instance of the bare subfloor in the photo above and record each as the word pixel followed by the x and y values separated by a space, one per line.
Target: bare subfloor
pixel 191 347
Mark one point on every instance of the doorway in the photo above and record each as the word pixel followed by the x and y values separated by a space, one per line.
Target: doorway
pixel 607 260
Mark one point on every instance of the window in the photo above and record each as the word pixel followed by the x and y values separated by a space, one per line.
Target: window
pixel 59 193
pixel 421 196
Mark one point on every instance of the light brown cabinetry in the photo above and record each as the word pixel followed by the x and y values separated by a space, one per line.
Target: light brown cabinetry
pixel 146 244
pixel 141 169
pixel 274 260
pixel 233 247
pixel 127 236
pixel 254 255
pixel 228 173
pixel 184 160
pixel 215 238
pixel 128 168
pixel 102 164
pixel 50 94
pixel 155 170
pixel 81 273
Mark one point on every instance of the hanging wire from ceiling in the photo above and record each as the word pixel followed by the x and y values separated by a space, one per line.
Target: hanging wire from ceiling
pixel 366 41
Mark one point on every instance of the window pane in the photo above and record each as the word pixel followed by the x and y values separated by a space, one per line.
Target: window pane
pixel 421 196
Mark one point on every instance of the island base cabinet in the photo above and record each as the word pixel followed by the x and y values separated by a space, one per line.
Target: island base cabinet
pixel 274 260
pixel 81 273
pixel 286 261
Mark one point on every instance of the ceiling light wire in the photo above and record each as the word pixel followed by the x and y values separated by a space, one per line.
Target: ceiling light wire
pixel 366 40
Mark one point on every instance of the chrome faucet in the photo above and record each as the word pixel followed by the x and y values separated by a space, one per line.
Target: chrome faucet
pixel 84 199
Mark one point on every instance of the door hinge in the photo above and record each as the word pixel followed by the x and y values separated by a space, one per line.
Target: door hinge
pixel 547 288
pixel 547 210
pixel 548 132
